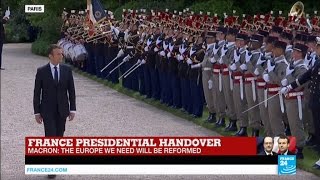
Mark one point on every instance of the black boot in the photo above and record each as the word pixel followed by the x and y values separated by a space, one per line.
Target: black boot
pixel 232 126
pixel 287 130
pixel 255 133
pixel 299 153
pixel 221 123
pixel 242 132
pixel 311 141
pixel 211 118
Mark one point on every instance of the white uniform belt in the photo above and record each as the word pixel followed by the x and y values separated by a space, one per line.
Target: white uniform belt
pixel 207 69
pixel 261 83
pixel 130 47
pixel 237 77
pixel 276 89
pixel 250 78
pixel 295 94
pixel 225 70
pixel 216 70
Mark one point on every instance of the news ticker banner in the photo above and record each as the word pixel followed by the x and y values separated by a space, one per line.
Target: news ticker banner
pixel 145 155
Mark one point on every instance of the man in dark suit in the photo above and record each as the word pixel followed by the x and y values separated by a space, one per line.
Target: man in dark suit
pixel 283 143
pixel 268 146
pixel 54 94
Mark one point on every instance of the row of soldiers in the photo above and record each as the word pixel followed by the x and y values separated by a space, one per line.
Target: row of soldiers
pixel 237 73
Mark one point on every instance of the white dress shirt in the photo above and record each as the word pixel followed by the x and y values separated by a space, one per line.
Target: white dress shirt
pixel 52 70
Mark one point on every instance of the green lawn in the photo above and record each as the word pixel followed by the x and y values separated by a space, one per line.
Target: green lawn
pixel 310 156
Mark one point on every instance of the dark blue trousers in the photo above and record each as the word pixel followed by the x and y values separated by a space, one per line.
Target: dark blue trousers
pixel 147 80
pixel 196 97
pixel 155 83
pixel 175 89
pixel 185 95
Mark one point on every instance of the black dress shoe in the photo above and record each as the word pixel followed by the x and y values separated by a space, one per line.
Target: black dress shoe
pixel 221 123
pixel 211 118
pixel 232 126
pixel 255 133
pixel 299 154
pixel 287 130
pixel 52 176
pixel 316 166
pixel 311 141
pixel 242 132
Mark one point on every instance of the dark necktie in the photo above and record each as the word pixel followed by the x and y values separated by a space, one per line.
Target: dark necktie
pixel 56 80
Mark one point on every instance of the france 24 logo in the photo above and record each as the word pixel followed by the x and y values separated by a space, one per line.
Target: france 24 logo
pixel 34 8
pixel 287 165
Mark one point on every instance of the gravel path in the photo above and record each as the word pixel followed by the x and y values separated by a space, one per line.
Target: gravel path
pixel 101 111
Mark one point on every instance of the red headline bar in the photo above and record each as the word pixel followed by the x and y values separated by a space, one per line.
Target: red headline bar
pixel 135 146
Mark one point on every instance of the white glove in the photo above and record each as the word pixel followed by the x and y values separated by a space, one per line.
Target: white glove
pixel 126 36
pixel 243 67
pixel 213 60
pixel 260 61
pixel 236 56
pixel 220 60
pixel 115 30
pixel 178 57
pixel 139 61
pixel 215 49
pixel 210 84
pixel 143 61
pixel 162 53
pixel 223 51
pixel 120 53
pixel 149 42
pixel 127 58
pixel 233 67
pixel 181 58
pixel 286 89
pixel 256 72
pixel 146 48
pixel 270 67
pixel 289 71
pixel 169 55
pixel 266 77
pixel 195 66
pixel 155 49
pixel 248 56
pixel 7 13
pixel 189 61
pixel 284 82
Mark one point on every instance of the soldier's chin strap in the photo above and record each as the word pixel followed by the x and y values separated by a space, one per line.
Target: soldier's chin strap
pixel 261 103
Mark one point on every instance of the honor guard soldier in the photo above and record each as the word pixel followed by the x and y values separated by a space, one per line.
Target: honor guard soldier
pixel 251 58
pixel 287 37
pixel 261 84
pixel 220 103
pixel 196 55
pixel 294 98
pixel 207 77
pixel 173 69
pixel 276 71
pixel 312 75
pixel 239 97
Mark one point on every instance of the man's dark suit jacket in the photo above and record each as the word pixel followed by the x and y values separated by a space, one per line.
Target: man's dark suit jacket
pixel 50 97
pixel 289 153
pixel 263 153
